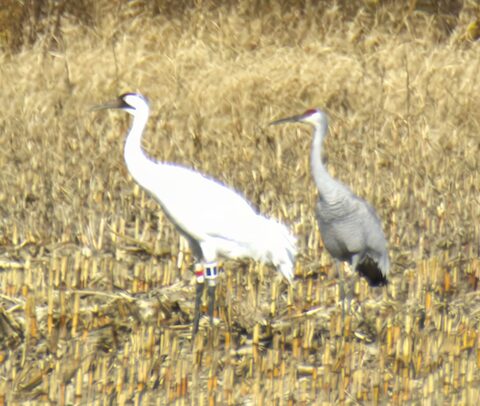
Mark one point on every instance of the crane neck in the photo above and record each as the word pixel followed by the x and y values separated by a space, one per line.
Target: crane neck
pixel 138 163
pixel 325 183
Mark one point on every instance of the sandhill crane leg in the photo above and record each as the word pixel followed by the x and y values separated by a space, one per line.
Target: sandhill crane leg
pixel 211 273
pixel 341 274
pixel 198 297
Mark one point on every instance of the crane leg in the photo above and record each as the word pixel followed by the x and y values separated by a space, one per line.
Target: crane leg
pixel 341 274
pixel 211 273
pixel 198 297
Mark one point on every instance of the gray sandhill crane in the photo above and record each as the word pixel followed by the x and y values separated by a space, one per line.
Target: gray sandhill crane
pixel 216 220
pixel 350 228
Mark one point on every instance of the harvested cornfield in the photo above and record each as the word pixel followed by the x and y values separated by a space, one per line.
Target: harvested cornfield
pixel 96 286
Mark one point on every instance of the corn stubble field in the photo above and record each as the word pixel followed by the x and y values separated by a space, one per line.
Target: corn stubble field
pixel 96 287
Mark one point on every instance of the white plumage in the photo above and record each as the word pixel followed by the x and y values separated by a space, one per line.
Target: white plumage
pixel 216 220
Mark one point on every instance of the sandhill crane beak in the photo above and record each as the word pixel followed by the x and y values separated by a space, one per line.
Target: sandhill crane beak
pixel 113 104
pixel 288 119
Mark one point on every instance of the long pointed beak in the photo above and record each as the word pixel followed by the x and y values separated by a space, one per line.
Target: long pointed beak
pixel 113 104
pixel 288 119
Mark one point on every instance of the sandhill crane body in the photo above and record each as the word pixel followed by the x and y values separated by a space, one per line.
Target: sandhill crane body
pixel 349 226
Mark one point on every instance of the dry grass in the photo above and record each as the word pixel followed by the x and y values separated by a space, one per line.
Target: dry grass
pixel 95 288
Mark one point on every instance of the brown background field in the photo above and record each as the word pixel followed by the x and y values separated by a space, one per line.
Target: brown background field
pixel 96 288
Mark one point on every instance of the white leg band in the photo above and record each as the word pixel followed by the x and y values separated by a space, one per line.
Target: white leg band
pixel 211 273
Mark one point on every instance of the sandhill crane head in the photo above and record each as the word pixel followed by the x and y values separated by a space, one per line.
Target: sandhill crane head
pixel 315 117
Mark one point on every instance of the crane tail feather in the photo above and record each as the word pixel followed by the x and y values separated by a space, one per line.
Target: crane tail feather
pixel 371 270
pixel 283 249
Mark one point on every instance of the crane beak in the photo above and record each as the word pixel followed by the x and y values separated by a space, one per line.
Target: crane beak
pixel 293 119
pixel 113 104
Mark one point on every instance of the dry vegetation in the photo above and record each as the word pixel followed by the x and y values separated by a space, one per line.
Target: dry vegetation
pixel 96 293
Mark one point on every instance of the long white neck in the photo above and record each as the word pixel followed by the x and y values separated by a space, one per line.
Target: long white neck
pixel 326 185
pixel 139 165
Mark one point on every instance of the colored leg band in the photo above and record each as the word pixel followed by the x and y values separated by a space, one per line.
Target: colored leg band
pixel 211 273
pixel 199 273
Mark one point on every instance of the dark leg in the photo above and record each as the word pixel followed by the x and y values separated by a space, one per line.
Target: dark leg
pixel 211 301
pixel 198 297
pixel 211 273
pixel 341 275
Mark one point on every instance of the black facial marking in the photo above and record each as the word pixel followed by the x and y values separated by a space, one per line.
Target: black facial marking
pixel 123 103
pixel 123 95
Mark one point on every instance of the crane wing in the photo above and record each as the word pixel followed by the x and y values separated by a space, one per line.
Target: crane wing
pixel 200 206
pixel 349 225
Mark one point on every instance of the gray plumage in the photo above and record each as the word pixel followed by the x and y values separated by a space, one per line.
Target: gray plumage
pixel 350 228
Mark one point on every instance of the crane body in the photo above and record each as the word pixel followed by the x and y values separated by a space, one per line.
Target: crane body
pixel 216 220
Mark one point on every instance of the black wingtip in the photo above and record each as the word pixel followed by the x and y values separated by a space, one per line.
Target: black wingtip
pixel 370 270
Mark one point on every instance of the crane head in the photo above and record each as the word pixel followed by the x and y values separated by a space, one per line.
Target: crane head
pixel 129 102
pixel 315 117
